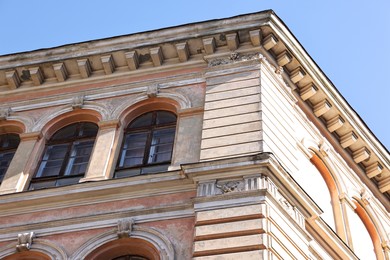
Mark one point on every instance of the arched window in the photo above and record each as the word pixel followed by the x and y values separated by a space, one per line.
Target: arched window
pixel 66 156
pixel 147 144
pixel 8 145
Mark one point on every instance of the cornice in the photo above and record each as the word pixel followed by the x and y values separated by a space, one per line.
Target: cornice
pixel 94 192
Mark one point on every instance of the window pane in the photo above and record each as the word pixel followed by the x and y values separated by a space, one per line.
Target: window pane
pixel 42 185
pixel 5 160
pixel 88 130
pixel 155 168
pixel 161 146
pixel 165 117
pixel 133 149
pixel 79 157
pixel 9 141
pixel 65 133
pixel 142 121
pixel 52 160
pixel 67 181
pixel 127 173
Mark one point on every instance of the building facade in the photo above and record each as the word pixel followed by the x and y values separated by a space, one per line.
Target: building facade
pixel 214 140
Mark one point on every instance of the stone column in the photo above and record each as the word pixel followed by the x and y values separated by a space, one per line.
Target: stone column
pixel 102 161
pixel 16 177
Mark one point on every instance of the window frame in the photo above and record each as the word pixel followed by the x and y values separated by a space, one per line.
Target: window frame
pixel 147 167
pixel 70 143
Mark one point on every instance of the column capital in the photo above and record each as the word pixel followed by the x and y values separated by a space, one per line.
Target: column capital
pixel 30 136
pixel 115 123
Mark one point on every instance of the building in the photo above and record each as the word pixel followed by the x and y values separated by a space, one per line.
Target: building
pixel 214 140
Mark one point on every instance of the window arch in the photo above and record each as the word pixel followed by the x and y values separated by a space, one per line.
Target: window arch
pixel 66 156
pixel 8 145
pixel 147 144
pixel 366 241
pixel 130 257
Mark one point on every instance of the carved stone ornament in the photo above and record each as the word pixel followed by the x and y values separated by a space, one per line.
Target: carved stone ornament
pixel 25 241
pixel 78 102
pixel 235 57
pixel 231 186
pixel 152 91
pixel 125 227
pixel 279 70
pixel 4 113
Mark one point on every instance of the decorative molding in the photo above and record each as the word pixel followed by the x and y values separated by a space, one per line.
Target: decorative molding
pixel 297 74
pixel 108 64
pixel 232 41
pixel 249 183
pixel 324 149
pixel 152 91
pixel 235 57
pixel 321 107
pixel 54 251
pixel 269 41
pixel 156 238
pixel 255 37
pixel 348 139
pixel 279 70
pixel 157 56
pixel 132 60
pixel 284 58
pixel 60 71
pixel 5 113
pixel 209 45
pixel 183 51
pixel 361 154
pixel 36 76
pixel 335 123
pixel 374 169
pixel 25 241
pixel 84 68
pixel 12 79
pixel 230 186
pixel 308 91
pixel 78 102
pixel 125 227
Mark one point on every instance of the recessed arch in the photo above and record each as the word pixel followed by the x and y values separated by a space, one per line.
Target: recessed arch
pixel 334 193
pixel 148 105
pixel 124 246
pixel 41 249
pixel 11 127
pixel 370 227
pixel 151 240
pixel 77 115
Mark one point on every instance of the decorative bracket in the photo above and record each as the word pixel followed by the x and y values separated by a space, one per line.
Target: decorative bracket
pixel 78 102
pixel 153 91
pixel 25 241
pixel 4 113
pixel 125 227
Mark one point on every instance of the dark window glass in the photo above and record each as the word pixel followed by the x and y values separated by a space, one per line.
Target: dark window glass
pixel 8 145
pixel 66 156
pixel 129 257
pixel 147 144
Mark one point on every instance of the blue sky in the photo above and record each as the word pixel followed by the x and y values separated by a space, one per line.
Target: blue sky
pixel 349 40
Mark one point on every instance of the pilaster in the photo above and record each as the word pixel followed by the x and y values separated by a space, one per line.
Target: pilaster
pixel 245 217
pixel 16 176
pixel 232 118
pixel 101 163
